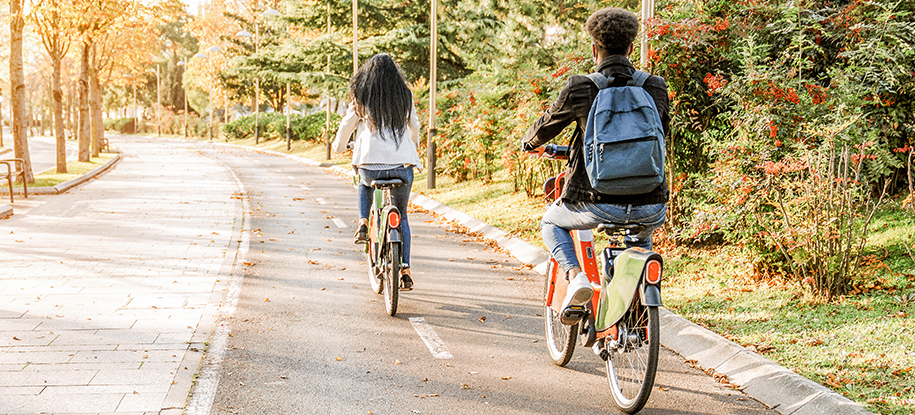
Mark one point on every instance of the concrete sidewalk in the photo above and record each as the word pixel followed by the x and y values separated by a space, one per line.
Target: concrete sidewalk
pixel 124 277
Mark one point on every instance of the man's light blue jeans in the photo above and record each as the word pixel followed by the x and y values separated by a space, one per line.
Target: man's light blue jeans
pixel 561 217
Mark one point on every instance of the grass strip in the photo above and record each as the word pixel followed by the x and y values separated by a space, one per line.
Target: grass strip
pixel 51 178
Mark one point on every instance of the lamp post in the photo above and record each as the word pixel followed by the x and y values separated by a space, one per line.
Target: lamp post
pixel 433 57
pixel 288 115
pixel 257 79
pixel 647 14
pixel 327 94
pixel 184 87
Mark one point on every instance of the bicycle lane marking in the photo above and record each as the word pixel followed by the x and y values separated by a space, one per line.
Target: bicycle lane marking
pixel 339 222
pixel 204 392
pixel 433 342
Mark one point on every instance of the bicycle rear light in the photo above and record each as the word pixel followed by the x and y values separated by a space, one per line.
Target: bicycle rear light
pixel 653 272
pixel 393 219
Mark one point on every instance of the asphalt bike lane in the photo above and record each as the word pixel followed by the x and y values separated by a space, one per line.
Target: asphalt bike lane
pixel 306 334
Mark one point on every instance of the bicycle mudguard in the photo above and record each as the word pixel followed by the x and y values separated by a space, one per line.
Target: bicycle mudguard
pixel 393 236
pixel 617 296
pixel 651 295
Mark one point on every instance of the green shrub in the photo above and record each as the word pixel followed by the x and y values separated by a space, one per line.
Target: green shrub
pixel 273 126
pixel 121 125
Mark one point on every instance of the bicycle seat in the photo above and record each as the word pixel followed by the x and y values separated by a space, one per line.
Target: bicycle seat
pixel 619 229
pixel 386 183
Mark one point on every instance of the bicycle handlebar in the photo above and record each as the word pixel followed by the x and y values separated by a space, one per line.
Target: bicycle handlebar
pixel 552 151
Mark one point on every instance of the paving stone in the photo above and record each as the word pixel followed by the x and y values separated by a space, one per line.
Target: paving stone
pixel 114 309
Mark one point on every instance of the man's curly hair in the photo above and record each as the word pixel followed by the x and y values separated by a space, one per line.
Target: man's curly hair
pixel 613 29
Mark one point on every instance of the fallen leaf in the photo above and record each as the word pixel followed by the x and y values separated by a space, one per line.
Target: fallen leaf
pixel 396 361
pixel 482 319
pixel 465 386
pixel 506 377
pixel 266 300
pixel 339 359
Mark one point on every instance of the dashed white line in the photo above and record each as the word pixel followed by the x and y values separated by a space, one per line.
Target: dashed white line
pixel 339 222
pixel 304 187
pixel 321 201
pixel 433 342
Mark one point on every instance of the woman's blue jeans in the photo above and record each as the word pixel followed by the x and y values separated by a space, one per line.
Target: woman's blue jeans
pixel 401 196
pixel 561 217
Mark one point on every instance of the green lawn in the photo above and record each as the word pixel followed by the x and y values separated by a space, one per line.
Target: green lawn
pixel 50 177
pixel 859 345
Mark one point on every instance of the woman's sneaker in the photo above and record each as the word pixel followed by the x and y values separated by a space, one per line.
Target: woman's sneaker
pixel 578 294
pixel 406 283
pixel 362 235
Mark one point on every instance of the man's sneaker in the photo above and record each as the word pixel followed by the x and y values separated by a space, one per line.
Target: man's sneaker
pixel 578 294
pixel 362 235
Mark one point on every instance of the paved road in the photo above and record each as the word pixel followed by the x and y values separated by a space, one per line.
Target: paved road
pixel 109 295
pixel 309 337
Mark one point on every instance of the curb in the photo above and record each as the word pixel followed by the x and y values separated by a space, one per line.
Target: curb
pixel 762 379
pixel 69 184
pixel 6 211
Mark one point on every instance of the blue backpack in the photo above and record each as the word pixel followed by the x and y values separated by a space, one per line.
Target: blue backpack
pixel 624 139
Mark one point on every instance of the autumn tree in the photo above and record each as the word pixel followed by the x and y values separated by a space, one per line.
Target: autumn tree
pixel 17 86
pixel 54 25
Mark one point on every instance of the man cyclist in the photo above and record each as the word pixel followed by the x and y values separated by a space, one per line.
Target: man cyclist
pixel 613 32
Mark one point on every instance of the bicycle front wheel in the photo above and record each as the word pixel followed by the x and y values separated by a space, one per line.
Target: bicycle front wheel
pixel 633 360
pixel 391 277
pixel 560 338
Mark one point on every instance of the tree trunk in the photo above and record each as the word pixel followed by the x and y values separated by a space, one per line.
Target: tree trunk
pixel 57 102
pixel 95 113
pixel 84 101
pixel 17 86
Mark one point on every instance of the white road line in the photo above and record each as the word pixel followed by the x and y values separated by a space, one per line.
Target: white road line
pixel 339 222
pixel 321 201
pixel 207 382
pixel 433 342
pixel 304 187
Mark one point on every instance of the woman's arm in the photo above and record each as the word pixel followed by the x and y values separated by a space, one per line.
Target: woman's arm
pixel 413 126
pixel 347 126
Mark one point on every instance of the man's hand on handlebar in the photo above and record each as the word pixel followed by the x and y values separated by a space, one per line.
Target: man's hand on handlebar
pixel 551 151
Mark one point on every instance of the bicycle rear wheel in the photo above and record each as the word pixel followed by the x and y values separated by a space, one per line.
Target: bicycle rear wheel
pixel 633 360
pixel 391 277
pixel 560 338
pixel 374 274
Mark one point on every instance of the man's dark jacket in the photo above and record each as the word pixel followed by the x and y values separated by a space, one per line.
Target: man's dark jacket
pixel 573 105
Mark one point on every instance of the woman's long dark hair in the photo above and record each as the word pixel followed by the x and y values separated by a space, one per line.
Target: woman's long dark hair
pixel 381 96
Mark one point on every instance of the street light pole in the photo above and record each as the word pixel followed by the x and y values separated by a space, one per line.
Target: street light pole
pixel 184 87
pixel 288 115
pixel 433 58
pixel 327 93
pixel 355 37
pixel 158 103
pixel 647 14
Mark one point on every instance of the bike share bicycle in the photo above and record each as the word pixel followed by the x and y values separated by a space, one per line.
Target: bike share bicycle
pixel 384 249
pixel 621 322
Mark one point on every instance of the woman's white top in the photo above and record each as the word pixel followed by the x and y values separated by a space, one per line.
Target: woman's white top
pixel 370 148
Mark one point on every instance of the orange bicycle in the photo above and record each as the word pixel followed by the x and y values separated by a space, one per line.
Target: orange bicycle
pixel 621 322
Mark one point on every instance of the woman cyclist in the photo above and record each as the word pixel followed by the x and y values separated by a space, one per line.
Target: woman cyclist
pixel 382 114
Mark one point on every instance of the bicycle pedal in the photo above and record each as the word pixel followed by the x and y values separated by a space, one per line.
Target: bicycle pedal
pixel 573 314
pixel 600 351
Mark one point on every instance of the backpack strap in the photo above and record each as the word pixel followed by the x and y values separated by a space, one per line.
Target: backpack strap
pixel 599 79
pixel 639 78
